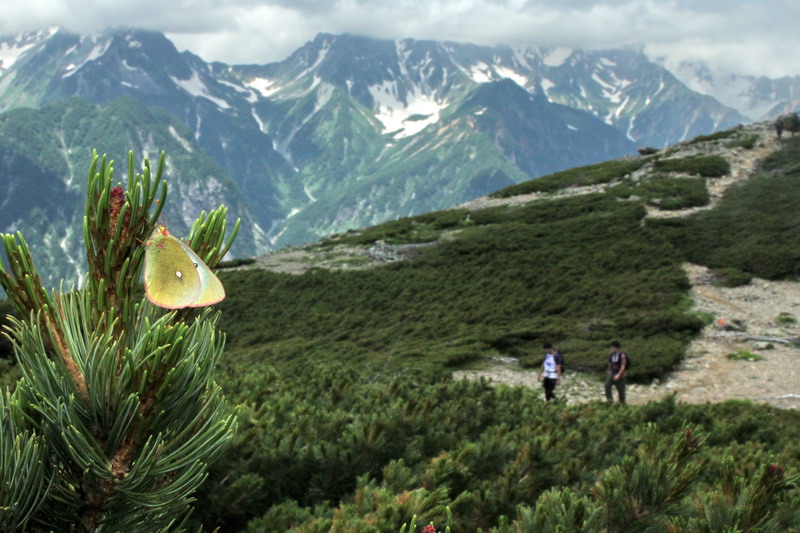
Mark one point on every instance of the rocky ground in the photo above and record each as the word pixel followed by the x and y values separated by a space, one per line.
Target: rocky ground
pixel 707 373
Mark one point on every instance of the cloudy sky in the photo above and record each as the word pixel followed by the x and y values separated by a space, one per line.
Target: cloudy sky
pixel 757 37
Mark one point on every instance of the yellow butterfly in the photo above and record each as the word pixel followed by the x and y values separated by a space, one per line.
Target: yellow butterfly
pixel 175 277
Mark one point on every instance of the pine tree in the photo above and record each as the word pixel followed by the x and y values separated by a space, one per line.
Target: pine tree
pixel 117 415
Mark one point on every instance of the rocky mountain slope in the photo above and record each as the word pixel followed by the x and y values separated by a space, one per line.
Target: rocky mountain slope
pixel 46 155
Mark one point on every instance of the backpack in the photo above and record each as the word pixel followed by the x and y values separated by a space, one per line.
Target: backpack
pixel 629 363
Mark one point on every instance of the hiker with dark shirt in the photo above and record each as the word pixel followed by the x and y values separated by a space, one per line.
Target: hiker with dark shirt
pixel 617 364
pixel 552 366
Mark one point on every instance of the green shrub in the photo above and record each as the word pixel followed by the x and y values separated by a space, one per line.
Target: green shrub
pixel 418 229
pixel 744 355
pixel 666 192
pixel 747 141
pixel 242 261
pixel 755 229
pixel 349 419
pixel 731 277
pixel 735 136
pixel 579 176
pixel 785 318
pixel 704 316
pixel 708 166
pixel 332 447
pixel 786 160
pixel 724 134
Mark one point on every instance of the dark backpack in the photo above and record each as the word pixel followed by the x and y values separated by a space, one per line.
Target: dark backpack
pixel 628 362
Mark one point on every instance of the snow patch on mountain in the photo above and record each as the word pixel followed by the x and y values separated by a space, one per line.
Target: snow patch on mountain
pixel 557 56
pixel 197 88
pixel 98 49
pixel 12 49
pixel 324 94
pixel 261 125
pixel 244 91
pixel 546 85
pixel 132 41
pixel 10 52
pixel 265 87
pixel 612 89
pixel 128 67
pixel 404 118
pixel 629 131
pixel 480 72
pixel 516 77
pixel 323 52
pixel 521 57
pixel 183 142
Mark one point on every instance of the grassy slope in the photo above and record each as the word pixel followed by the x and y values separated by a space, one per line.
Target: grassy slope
pixel 579 272
pixel 756 229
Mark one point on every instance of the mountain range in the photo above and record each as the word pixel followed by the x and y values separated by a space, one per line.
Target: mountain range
pixel 757 97
pixel 344 133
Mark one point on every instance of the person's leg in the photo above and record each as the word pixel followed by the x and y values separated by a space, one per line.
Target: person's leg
pixel 620 383
pixel 609 381
pixel 549 387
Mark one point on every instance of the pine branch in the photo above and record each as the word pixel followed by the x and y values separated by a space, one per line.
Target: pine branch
pixel 25 473
pixel 23 285
pixel 637 494
pixel 116 223
pixel 133 449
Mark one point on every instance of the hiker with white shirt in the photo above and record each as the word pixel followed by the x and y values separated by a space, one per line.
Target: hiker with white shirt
pixel 552 366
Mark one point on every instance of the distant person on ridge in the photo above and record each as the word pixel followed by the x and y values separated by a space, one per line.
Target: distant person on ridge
pixel 617 364
pixel 552 366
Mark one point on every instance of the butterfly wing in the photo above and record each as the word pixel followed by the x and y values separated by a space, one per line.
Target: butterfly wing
pixel 171 278
pixel 211 289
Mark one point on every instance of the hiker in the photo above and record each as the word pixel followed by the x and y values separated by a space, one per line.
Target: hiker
pixel 552 366
pixel 788 122
pixel 617 364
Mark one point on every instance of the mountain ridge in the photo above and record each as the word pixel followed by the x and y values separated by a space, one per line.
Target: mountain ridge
pixel 349 131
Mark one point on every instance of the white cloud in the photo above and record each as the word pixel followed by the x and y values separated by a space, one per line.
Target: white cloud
pixel 747 36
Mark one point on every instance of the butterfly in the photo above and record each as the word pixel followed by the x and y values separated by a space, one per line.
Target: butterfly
pixel 175 277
